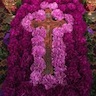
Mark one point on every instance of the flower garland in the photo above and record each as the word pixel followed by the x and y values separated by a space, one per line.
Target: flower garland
pixel 58 47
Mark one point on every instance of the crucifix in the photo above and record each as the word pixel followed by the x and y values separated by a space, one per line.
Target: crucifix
pixel 49 23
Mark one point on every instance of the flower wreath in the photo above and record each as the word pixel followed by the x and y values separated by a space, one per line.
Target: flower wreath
pixel 58 53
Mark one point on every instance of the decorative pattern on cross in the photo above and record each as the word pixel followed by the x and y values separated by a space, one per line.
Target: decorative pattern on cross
pixel 49 23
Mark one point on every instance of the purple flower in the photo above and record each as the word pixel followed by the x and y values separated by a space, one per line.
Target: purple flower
pixel 63 7
pixel 6 38
pixel 90 30
pixel 81 9
pixel 71 6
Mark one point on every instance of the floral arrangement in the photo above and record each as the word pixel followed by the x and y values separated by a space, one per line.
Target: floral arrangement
pixel 58 48
pixel 78 74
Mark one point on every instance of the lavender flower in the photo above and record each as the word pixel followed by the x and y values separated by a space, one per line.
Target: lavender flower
pixel 90 30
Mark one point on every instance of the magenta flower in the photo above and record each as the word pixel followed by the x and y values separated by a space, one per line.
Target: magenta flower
pixel 40 15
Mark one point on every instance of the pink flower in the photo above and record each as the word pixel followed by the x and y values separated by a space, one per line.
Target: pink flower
pixel 59 32
pixel 38 65
pixel 30 16
pixel 35 77
pixel 69 18
pixel 39 31
pixel 26 23
pixel 44 5
pixel 57 14
pixel 38 40
pixel 68 28
pixel 49 81
pixel 53 6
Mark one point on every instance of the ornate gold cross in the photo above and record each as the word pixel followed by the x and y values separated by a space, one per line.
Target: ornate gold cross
pixel 49 23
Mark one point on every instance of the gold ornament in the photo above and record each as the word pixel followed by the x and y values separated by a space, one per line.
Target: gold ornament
pixel 9 4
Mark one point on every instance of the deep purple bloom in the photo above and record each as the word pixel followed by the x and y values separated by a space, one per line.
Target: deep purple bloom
pixel 90 30
pixel 6 38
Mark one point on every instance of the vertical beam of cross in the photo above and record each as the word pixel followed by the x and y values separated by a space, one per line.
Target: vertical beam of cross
pixel 49 25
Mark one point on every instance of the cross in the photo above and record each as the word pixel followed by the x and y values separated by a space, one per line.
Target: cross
pixel 49 23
